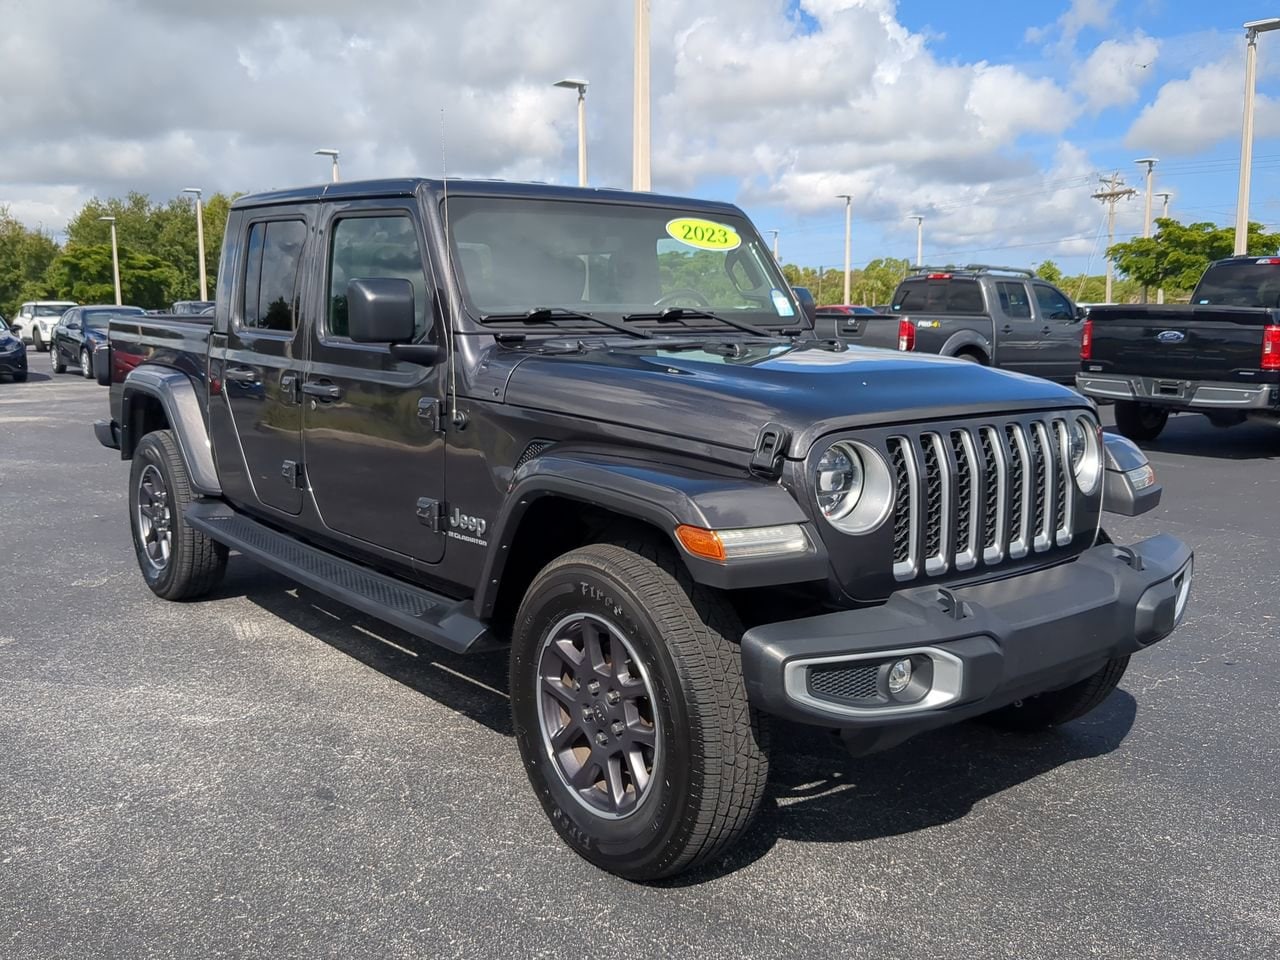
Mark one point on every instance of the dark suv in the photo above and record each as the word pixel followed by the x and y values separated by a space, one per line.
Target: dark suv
pixel 595 427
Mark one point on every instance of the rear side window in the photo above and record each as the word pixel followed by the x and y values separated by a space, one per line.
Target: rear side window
pixel 271 275
pixel 1053 305
pixel 921 296
pixel 964 296
pixel 1013 299
pixel 365 248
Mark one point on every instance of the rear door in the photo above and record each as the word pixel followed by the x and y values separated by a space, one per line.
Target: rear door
pixel 1016 329
pixel 257 368
pixel 375 458
pixel 1059 353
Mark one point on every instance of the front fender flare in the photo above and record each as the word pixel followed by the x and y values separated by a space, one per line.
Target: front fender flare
pixel 664 498
pixel 177 395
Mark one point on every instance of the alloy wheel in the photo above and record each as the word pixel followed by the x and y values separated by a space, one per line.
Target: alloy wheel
pixel 154 519
pixel 596 710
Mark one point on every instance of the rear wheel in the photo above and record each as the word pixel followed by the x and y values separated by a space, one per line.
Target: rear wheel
pixel 37 341
pixel 630 711
pixel 1060 706
pixel 973 356
pixel 1140 421
pixel 177 561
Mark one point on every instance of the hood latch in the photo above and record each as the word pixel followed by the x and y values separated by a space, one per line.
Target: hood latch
pixel 771 450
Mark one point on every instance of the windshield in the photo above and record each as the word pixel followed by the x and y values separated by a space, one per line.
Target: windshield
pixel 1249 284
pixel 56 311
pixel 513 254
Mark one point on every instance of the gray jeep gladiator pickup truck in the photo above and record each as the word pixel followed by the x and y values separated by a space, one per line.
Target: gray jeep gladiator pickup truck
pixel 595 427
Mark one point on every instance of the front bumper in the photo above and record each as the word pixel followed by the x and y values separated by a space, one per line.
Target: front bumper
pixel 1179 394
pixel 15 362
pixel 990 644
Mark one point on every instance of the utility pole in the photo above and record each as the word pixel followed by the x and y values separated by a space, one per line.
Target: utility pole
pixel 1113 190
pixel 640 103
pixel 919 239
pixel 848 235
pixel 775 243
pixel 1163 216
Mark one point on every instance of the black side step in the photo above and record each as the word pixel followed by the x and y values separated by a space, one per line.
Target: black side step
pixel 424 614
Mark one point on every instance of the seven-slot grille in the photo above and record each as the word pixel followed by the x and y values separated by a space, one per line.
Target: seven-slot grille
pixel 984 493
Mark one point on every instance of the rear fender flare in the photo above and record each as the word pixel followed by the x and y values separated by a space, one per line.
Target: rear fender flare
pixel 177 395
pixel 967 339
pixel 663 499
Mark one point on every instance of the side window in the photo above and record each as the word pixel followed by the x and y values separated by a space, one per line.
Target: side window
pixel 1053 305
pixel 925 296
pixel 964 296
pixel 271 275
pixel 1013 300
pixel 364 248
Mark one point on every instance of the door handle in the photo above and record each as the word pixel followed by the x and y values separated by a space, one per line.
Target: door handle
pixel 325 391
pixel 1044 330
pixel 1007 328
pixel 241 375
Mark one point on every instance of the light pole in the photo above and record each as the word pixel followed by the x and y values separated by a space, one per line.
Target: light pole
pixel 115 257
pixel 204 279
pixel 330 152
pixel 1251 31
pixel 640 103
pixel 775 243
pixel 919 238
pixel 848 235
pixel 1163 216
pixel 1146 210
pixel 581 87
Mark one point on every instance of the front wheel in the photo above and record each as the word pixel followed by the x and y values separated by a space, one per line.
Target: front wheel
pixel 86 364
pixel 1057 707
pixel 630 711
pixel 177 561
pixel 1140 421
pixel 55 359
pixel 37 341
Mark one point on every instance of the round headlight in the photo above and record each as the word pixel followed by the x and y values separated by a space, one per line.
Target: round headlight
pixel 1085 449
pixel 838 481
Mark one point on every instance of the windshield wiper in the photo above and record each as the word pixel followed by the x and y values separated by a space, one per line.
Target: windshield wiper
pixel 693 313
pixel 551 314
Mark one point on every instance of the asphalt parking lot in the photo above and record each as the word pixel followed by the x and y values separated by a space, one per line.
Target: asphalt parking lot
pixel 269 774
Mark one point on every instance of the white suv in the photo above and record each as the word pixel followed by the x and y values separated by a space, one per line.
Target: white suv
pixel 37 318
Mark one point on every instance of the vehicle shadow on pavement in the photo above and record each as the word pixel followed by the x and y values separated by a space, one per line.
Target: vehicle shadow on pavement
pixel 1195 436
pixel 820 794
pixel 475 685
pixel 33 377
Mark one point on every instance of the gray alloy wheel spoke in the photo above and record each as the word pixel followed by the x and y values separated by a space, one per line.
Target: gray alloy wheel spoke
pixel 613 777
pixel 566 696
pixel 153 518
pixel 641 734
pixel 593 640
pixel 568 652
pixel 635 765
pixel 585 777
pixel 565 736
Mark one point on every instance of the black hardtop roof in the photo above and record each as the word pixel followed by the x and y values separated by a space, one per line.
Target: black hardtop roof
pixel 413 186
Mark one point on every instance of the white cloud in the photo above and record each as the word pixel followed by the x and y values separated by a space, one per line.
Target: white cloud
pixel 1113 74
pixel 1080 15
pixel 1190 114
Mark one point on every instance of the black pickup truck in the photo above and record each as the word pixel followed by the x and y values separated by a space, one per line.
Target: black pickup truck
pixel 997 316
pixel 596 428
pixel 1218 355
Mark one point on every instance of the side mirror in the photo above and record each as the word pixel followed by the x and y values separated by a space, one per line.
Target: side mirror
pixel 1082 313
pixel 380 310
pixel 807 303
pixel 1130 487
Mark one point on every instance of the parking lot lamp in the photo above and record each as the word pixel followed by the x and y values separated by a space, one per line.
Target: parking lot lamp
pixel 204 280
pixel 115 257
pixel 1251 31
pixel 581 87
pixel 848 234
pixel 330 152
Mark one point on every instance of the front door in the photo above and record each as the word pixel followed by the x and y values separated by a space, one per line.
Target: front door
pixel 258 369
pixel 375 456
pixel 1060 331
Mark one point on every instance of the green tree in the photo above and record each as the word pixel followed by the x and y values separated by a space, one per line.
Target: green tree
pixel 1179 253
pixel 83 273
pixel 1048 270
pixel 25 255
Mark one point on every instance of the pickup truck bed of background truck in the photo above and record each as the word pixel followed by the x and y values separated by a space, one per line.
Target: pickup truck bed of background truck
pixel 996 316
pixel 1218 355
pixel 596 427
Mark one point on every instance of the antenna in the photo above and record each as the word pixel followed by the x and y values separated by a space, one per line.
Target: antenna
pixel 454 416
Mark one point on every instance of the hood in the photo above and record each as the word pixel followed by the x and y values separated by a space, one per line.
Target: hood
pixel 724 392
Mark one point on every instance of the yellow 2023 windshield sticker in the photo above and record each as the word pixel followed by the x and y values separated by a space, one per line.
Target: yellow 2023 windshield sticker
pixel 704 234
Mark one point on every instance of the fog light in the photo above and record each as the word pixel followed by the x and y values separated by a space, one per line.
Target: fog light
pixel 899 676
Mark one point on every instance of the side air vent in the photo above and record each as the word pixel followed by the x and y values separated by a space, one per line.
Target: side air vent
pixel 534 448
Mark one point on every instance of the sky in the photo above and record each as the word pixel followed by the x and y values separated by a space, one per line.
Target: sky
pixel 993 120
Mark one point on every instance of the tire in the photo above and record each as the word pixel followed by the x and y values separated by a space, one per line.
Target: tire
pixel 972 356
pixel 20 377
pixel 37 341
pixel 55 359
pixel 86 364
pixel 703 780
pixel 1057 707
pixel 177 561
pixel 1140 421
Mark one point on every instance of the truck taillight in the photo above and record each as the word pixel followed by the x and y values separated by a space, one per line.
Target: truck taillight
pixel 1086 341
pixel 907 335
pixel 1271 347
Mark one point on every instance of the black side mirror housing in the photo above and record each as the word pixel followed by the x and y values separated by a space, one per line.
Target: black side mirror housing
pixel 1081 313
pixel 807 303
pixel 380 310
